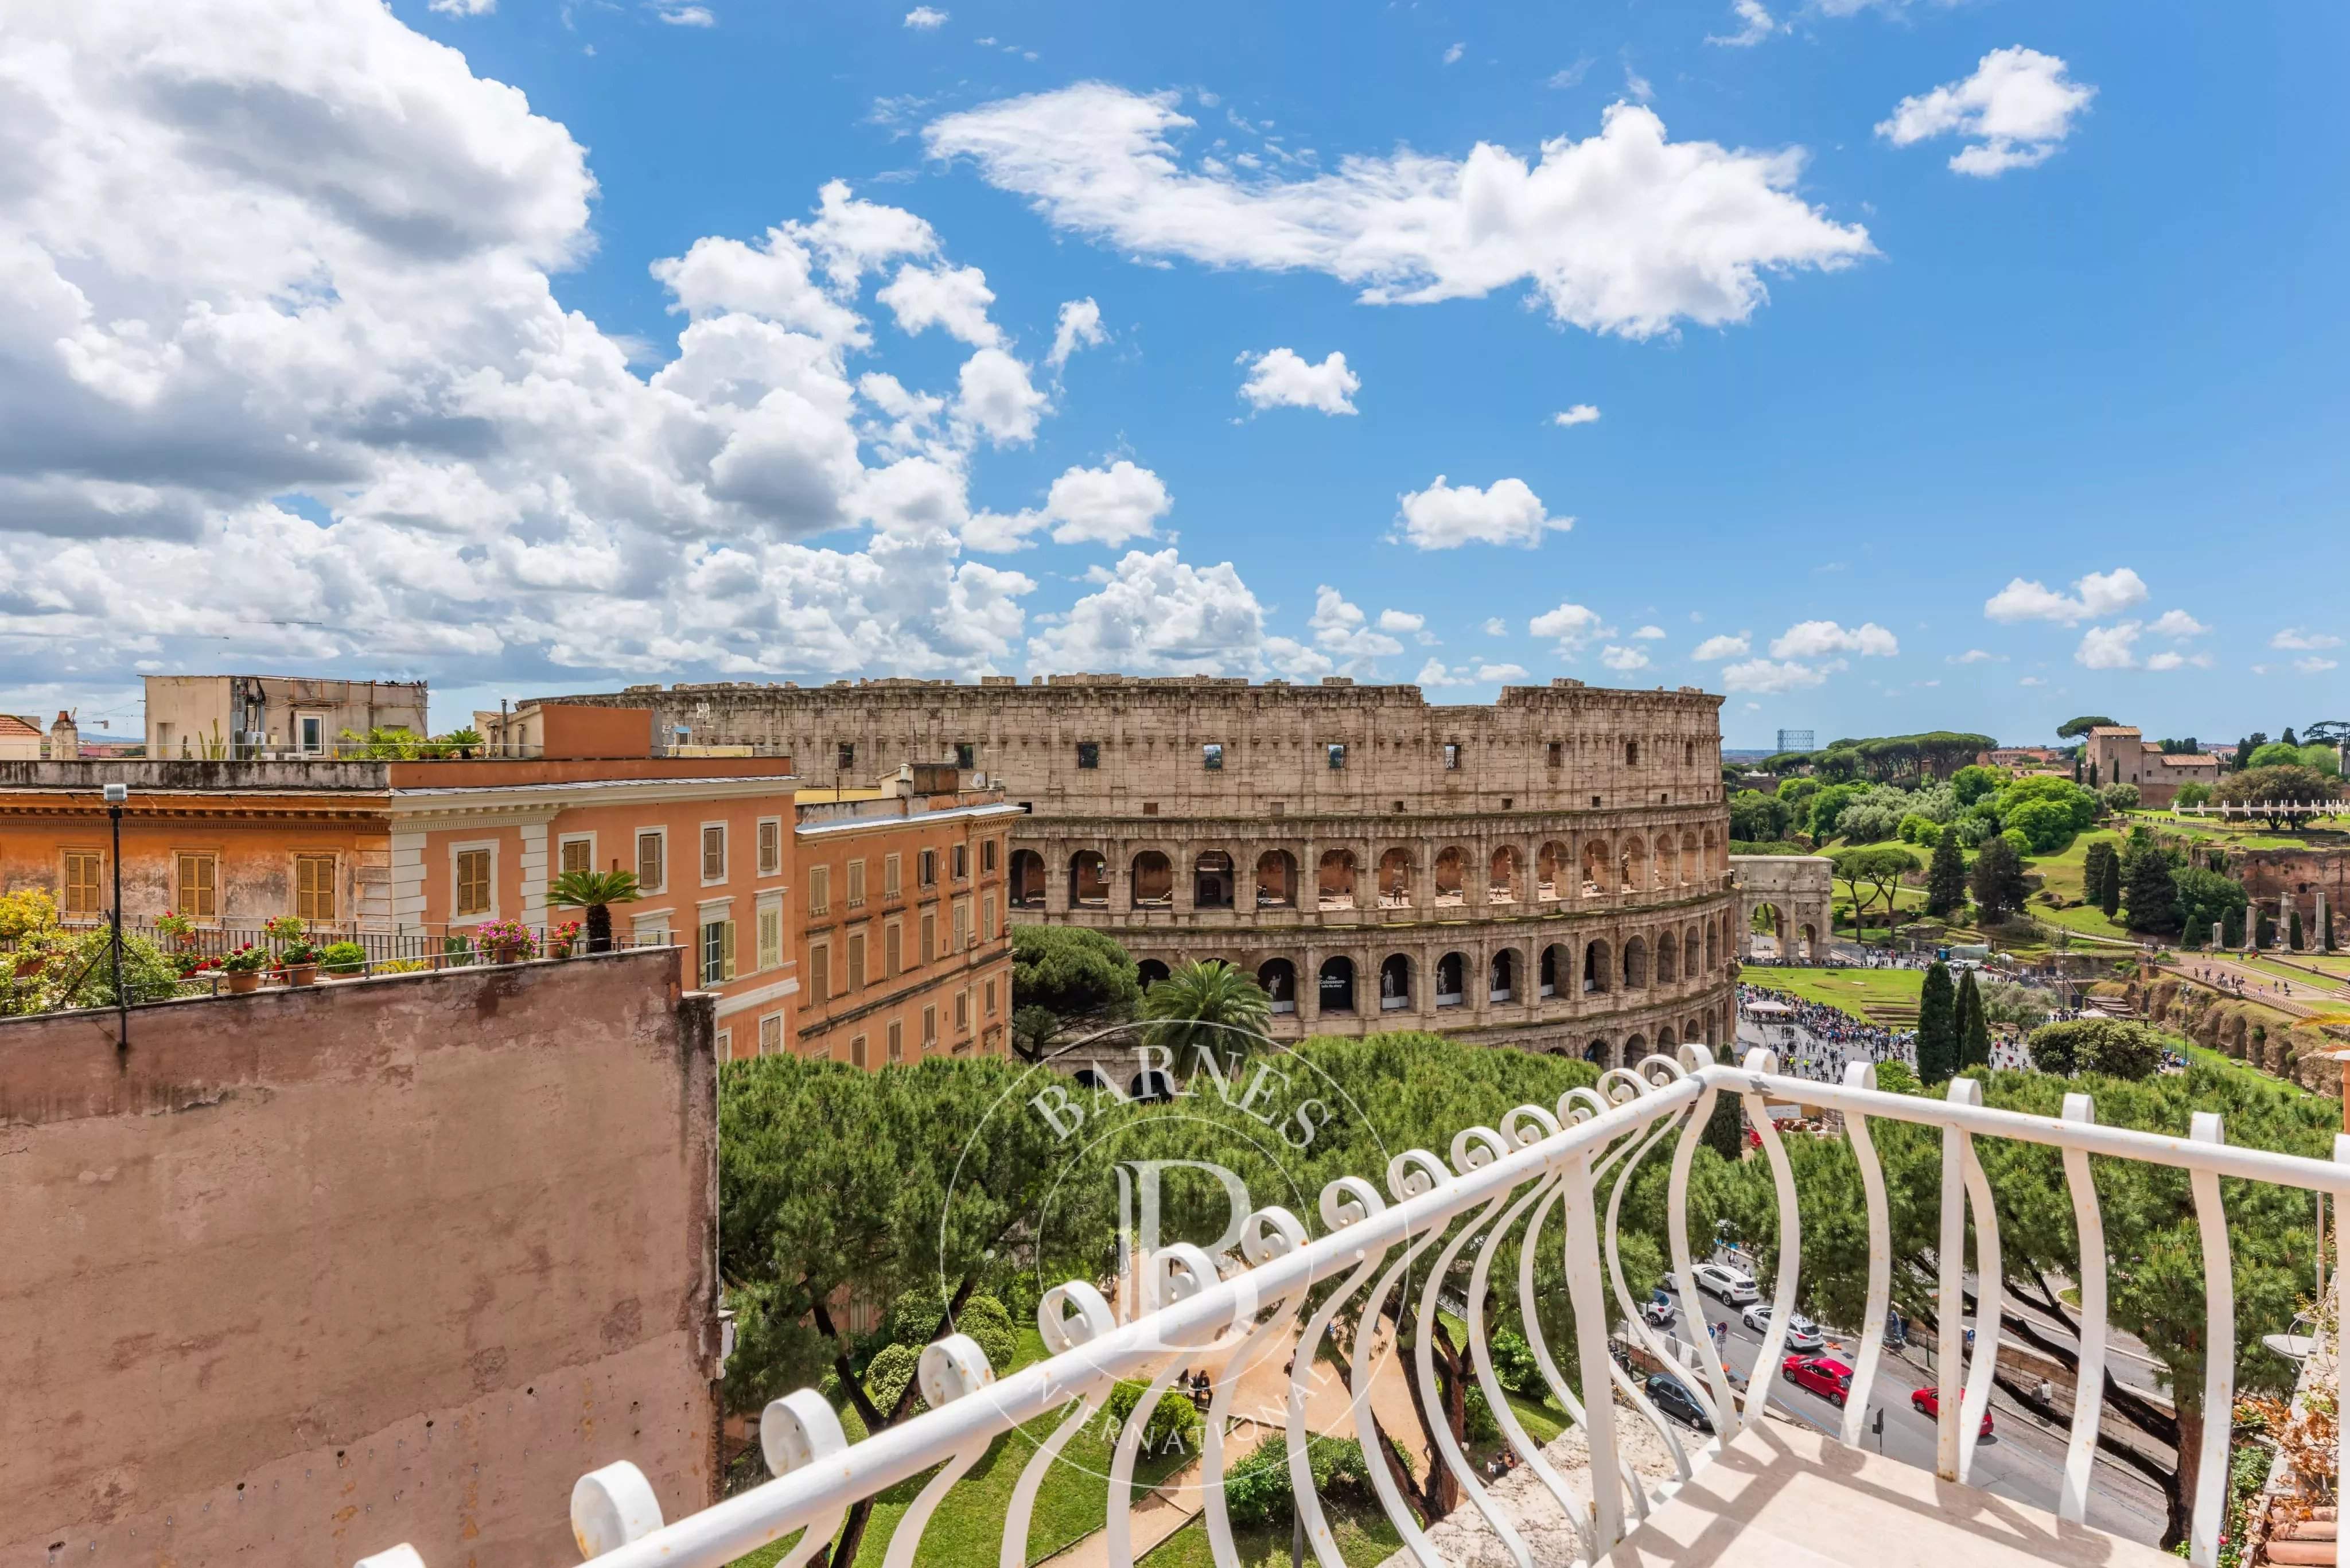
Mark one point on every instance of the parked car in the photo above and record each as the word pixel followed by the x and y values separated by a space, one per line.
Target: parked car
pixel 1803 1334
pixel 1666 1394
pixel 1657 1312
pixel 1928 1402
pixel 1725 1283
pixel 1822 1375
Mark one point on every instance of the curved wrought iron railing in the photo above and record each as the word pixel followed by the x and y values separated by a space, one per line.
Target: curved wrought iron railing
pixel 1227 1315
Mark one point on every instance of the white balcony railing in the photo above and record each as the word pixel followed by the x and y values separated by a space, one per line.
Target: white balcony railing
pixel 1227 1315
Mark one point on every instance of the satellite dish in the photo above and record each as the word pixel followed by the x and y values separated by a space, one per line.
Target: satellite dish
pixel 979 781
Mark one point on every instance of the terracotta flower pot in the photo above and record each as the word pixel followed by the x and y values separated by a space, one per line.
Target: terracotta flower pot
pixel 30 965
pixel 240 981
pixel 301 974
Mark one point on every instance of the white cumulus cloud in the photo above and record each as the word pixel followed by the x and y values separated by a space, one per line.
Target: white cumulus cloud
pixel 1813 639
pixel 1625 231
pixel 1079 326
pixel 1581 414
pixel 1755 24
pixel 2176 623
pixel 1342 630
pixel 1443 517
pixel 2094 597
pixel 1723 646
pixel 2013 112
pixel 2292 639
pixel 926 18
pixel 1156 614
pixel 1453 55
pixel 1572 625
pixel 1476 673
pixel 1283 379
pixel 1973 656
pixel 1769 676
pixel 2313 665
pixel 1085 506
pixel 1650 634
pixel 1617 657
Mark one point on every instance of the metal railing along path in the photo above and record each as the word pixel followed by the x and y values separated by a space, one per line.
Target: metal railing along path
pixel 1227 1314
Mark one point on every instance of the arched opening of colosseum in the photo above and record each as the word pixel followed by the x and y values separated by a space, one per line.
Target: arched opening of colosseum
pixel 1333 883
pixel 1451 880
pixel 1502 978
pixel 1596 872
pixel 1449 974
pixel 1278 979
pixel 1149 973
pixel 1597 1053
pixel 1669 861
pixel 1088 880
pixel 1553 964
pixel 1636 963
pixel 1690 870
pixel 1502 876
pixel 1714 865
pixel 1154 881
pixel 1552 865
pixel 1665 1041
pixel 1212 880
pixel 1667 951
pixel 1151 1088
pixel 1395 879
pixel 1395 983
pixel 1597 970
pixel 1631 754
pixel 1635 866
pixel 1636 1048
pixel 1338 984
pixel 1027 885
pixel 1087 1078
pixel 1692 955
pixel 1693 1031
pixel 1276 880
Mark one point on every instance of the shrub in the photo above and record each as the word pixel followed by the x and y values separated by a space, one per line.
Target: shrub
pixel 2120 796
pixel 1073 972
pixel 986 1321
pixel 1257 1490
pixel 1513 1361
pixel 1175 1420
pixel 2116 1047
pixel 886 1376
pixel 1477 1423
pixel 80 973
pixel 26 913
pixel 343 958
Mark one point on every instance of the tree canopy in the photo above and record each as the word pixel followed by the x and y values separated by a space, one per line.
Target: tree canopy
pixel 2082 725
pixel 1879 868
pixel 2268 790
pixel 1073 972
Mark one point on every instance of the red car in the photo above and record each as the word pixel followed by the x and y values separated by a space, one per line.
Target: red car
pixel 1928 1402
pixel 1822 1375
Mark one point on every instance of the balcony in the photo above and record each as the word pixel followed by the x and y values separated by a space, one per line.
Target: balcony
pixel 1749 1490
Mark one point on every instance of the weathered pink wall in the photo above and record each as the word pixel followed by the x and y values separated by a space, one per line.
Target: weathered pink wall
pixel 311 1273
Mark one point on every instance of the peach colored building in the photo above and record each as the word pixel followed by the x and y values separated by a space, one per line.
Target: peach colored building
pixel 406 856
pixel 904 941
pixel 2119 754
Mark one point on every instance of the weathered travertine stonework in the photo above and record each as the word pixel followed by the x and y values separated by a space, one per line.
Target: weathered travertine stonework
pixel 1551 870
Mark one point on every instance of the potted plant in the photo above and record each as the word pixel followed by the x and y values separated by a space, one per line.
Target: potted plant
pixel 344 958
pixel 562 940
pixel 504 941
pixel 179 927
pixel 244 968
pixel 297 961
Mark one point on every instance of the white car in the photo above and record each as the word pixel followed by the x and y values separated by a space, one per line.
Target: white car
pixel 1803 1334
pixel 1726 1285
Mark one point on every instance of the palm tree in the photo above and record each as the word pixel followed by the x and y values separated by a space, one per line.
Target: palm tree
pixel 595 891
pixel 1207 1006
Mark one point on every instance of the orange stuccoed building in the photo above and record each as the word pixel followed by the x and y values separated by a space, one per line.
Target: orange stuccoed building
pixel 410 858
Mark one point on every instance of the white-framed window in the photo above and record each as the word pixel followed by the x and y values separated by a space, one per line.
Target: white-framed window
pixel 820 889
pixel 892 875
pixel 963 1011
pixel 574 852
pixel 857 1051
pixel 725 1043
pixel 990 854
pixel 771 1035
pixel 930 1026
pixel 771 847
pixel 991 996
pixel 310 734
pixel 713 853
pixel 857 884
pixel 818 979
pixel 896 1041
pixel 473 881
pixel 652 859
pixel 856 980
pixel 987 918
pixel 893 948
pixel 962 924
pixel 926 868
pixel 771 933
pixel 717 950
pixel 958 862
pixel 649 930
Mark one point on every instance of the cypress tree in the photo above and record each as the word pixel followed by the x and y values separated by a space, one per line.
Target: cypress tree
pixel 2150 889
pixel 1974 1029
pixel 1997 881
pixel 1725 1129
pixel 1946 878
pixel 2264 932
pixel 2109 889
pixel 1938 1027
pixel 2293 932
pixel 2231 929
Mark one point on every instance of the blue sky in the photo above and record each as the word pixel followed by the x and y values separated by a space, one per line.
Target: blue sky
pixel 2056 430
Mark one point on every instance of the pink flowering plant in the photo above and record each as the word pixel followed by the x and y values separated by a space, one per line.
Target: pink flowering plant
pixel 504 941
pixel 562 939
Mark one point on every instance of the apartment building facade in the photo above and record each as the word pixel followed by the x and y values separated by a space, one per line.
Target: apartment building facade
pixel 904 939
pixel 231 716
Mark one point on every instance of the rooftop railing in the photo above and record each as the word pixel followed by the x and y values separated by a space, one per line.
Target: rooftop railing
pixel 1560 1175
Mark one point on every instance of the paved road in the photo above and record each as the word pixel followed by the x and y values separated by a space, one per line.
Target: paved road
pixel 2301 998
pixel 2022 1460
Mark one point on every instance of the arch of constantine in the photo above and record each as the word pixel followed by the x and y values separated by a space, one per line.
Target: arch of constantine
pixel 1799 891
pixel 1550 871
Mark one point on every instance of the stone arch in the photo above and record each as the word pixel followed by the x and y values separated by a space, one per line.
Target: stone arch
pixel 1665 1041
pixel 1668 955
pixel 1149 973
pixel 1151 1086
pixel 1334 881
pixel 1712 953
pixel 1693 1031
pixel 1452 977
pixel 1554 863
pixel 1277 978
pixel 1336 983
pixel 1088 880
pixel 1212 880
pixel 1551 969
pixel 1276 880
pixel 1395 983
pixel 1690 871
pixel 1026 889
pixel 1504 975
pixel 1597 1053
pixel 1087 1078
pixel 1634 1047
pixel 1451 877
pixel 1714 861
pixel 1669 860
pixel 1394 878
pixel 1598 869
pixel 1504 876
pixel 1807 942
pixel 1598 972
pixel 1636 963
pixel 1634 865
pixel 1152 881
pixel 1692 954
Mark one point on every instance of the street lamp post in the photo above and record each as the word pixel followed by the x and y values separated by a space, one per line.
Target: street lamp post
pixel 116 794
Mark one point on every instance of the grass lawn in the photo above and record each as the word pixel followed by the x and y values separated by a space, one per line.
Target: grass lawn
pixel 1365 1540
pixel 968 1526
pixel 1854 991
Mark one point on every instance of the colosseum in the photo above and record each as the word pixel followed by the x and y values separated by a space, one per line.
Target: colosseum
pixel 1551 871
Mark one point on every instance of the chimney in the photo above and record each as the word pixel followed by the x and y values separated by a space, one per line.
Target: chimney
pixel 64 740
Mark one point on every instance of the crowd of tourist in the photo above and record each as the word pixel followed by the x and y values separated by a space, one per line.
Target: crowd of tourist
pixel 1816 1041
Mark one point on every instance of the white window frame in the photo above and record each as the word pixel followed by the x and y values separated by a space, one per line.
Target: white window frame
pixel 466 846
pixel 566 840
pixel 893 874
pixel 702 854
pixel 637 847
pixel 326 741
pixel 645 926
pixel 769 910
pixel 759 841
pixel 725 1044
pixel 771 1025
